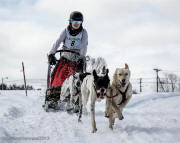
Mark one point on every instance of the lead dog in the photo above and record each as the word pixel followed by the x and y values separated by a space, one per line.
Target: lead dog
pixel 94 86
pixel 118 95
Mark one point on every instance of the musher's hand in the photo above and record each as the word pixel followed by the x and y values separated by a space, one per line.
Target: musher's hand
pixel 52 59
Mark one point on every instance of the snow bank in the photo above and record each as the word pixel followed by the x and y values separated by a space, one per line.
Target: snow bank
pixel 149 118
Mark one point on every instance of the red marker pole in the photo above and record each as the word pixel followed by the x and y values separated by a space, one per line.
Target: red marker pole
pixel 24 78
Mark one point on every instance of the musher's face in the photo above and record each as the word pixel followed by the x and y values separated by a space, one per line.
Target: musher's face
pixel 76 25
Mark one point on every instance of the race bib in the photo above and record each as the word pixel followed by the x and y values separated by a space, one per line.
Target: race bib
pixel 73 42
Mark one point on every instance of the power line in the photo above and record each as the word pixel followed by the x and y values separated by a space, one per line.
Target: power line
pixel 170 71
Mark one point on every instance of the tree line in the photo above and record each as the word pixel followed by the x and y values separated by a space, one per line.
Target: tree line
pixel 15 87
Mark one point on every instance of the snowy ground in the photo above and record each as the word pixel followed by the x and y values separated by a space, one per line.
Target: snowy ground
pixel 149 118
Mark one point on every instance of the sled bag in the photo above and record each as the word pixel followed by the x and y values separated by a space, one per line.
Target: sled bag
pixel 64 69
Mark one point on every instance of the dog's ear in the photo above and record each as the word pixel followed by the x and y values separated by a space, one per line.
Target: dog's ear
pixel 115 77
pixel 107 71
pixel 95 74
pixel 104 69
pixel 75 75
pixel 126 66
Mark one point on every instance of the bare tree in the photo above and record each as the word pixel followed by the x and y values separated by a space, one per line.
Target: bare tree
pixel 171 81
pixel 178 89
pixel 164 85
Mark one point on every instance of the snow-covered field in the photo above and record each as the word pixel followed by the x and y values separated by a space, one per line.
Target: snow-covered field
pixel 149 118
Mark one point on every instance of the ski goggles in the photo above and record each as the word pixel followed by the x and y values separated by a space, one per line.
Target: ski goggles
pixel 78 22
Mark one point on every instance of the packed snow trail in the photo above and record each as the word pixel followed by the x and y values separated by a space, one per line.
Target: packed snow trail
pixel 149 118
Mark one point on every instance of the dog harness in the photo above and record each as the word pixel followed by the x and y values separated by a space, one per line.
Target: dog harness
pixel 78 91
pixel 122 93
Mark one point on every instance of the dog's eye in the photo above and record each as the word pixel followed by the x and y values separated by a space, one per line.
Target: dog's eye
pixel 126 74
pixel 120 74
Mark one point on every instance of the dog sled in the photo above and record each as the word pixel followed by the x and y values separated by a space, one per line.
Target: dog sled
pixel 56 76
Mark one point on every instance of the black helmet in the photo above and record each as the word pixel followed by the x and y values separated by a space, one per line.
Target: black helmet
pixel 76 15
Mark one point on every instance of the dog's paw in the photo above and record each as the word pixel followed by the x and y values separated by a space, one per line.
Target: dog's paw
pixel 94 130
pixel 111 127
pixel 106 115
pixel 121 117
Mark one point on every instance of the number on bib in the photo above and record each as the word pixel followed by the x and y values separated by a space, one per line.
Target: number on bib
pixel 72 43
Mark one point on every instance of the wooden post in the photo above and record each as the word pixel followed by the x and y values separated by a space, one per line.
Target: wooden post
pixel 2 84
pixel 24 78
pixel 140 84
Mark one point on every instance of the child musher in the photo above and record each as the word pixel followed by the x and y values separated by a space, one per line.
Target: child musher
pixel 74 38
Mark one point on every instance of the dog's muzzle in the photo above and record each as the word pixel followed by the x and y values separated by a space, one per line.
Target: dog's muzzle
pixel 123 83
pixel 101 93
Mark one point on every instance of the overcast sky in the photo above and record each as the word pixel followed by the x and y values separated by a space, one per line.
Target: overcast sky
pixel 143 33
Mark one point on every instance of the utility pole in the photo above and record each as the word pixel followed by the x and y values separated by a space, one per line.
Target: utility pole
pixel 157 77
pixel 24 78
pixel 140 82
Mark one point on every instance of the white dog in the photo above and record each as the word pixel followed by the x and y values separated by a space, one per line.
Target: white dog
pixel 94 86
pixel 71 91
pixel 118 95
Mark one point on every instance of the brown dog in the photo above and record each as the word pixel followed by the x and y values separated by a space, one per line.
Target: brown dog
pixel 118 95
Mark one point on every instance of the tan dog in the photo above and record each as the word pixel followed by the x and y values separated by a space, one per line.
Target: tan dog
pixel 118 95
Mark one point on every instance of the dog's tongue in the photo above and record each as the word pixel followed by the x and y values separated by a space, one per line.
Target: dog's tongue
pixel 102 95
pixel 123 84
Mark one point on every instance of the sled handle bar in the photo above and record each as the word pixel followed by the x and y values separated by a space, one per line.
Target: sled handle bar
pixel 60 51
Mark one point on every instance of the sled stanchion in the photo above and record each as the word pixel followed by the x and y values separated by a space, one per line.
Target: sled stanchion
pixel 24 78
pixel 48 74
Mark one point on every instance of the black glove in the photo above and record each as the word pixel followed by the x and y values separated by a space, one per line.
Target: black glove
pixel 80 64
pixel 52 59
